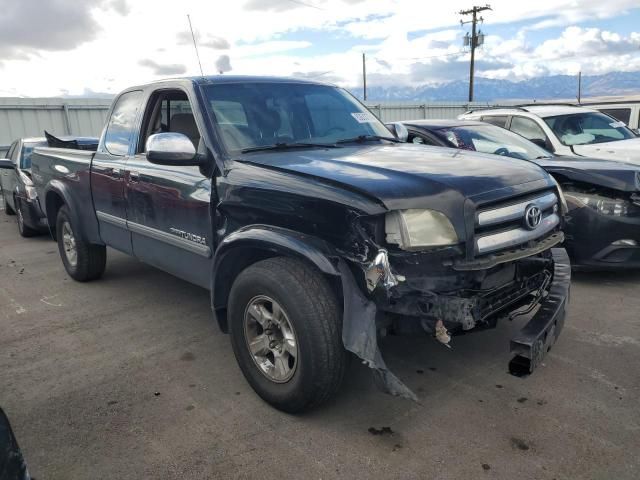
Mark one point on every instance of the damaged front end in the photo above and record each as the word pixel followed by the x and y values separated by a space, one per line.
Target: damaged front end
pixel 441 293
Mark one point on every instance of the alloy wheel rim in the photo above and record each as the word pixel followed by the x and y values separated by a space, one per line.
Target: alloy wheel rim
pixel 271 339
pixel 20 218
pixel 69 244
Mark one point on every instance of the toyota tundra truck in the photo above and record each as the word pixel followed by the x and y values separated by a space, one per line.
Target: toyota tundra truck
pixel 315 228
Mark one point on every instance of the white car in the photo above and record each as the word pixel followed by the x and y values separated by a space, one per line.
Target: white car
pixel 566 130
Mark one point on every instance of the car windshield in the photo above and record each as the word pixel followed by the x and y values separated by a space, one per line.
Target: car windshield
pixel 27 151
pixel 491 139
pixel 587 128
pixel 250 115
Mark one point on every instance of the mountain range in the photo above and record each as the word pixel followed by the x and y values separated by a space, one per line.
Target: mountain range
pixel 486 89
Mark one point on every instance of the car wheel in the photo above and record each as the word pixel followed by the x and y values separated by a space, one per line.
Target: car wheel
pixel 23 229
pixel 7 209
pixel 83 261
pixel 286 332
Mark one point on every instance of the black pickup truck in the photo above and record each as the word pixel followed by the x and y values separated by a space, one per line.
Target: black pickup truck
pixel 315 228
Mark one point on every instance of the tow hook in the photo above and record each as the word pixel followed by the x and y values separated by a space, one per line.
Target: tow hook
pixel 442 335
pixel 379 271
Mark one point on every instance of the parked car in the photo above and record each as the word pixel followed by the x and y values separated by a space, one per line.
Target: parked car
pixel 19 194
pixel 313 227
pixel 567 130
pixel 623 108
pixel 603 196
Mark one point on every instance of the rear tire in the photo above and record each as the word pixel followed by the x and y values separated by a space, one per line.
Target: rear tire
pixel 83 261
pixel 23 230
pixel 310 326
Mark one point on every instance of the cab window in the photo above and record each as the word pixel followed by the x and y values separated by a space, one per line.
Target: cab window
pixel 528 129
pixel 121 125
pixel 169 111
pixel 497 120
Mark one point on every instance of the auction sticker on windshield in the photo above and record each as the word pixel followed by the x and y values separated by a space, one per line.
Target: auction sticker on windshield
pixel 364 117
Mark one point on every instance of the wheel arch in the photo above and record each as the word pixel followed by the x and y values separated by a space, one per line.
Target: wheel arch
pixel 252 244
pixel 57 196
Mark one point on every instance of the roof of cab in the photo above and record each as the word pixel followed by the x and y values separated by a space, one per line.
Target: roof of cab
pixel 215 79
pixel 554 110
pixel 438 124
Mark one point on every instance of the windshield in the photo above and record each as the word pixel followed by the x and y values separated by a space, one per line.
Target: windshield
pixel 251 115
pixel 586 128
pixel 27 151
pixel 491 139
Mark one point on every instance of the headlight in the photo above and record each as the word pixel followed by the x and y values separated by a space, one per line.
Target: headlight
pixel 616 207
pixel 31 192
pixel 28 186
pixel 563 200
pixel 414 229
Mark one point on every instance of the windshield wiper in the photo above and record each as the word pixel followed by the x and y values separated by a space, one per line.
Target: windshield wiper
pixel 366 138
pixel 287 146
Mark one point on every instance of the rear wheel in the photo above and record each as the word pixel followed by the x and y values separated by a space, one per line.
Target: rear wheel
pixel 23 229
pixel 286 332
pixel 83 261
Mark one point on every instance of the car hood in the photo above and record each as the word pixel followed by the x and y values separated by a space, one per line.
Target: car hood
pixel 408 176
pixel 621 150
pixel 605 173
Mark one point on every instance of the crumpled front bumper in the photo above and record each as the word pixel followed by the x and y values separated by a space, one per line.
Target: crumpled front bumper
pixel 359 330
pixel 538 336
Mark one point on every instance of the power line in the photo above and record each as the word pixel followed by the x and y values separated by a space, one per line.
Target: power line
pixel 474 40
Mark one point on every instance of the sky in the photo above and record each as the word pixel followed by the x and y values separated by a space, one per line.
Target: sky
pixel 98 47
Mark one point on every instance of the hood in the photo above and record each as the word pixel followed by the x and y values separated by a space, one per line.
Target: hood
pixel 622 150
pixel 407 176
pixel 605 173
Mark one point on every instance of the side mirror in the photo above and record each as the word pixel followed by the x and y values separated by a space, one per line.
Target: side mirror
pixel 399 131
pixel 542 143
pixel 171 148
pixel 6 163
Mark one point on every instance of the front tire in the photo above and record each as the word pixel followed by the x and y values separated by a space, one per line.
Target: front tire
pixel 286 333
pixel 23 230
pixel 83 261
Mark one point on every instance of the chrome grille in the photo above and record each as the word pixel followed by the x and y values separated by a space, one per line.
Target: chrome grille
pixel 503 226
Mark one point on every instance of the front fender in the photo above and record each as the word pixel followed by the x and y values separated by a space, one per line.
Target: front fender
pixel 257 242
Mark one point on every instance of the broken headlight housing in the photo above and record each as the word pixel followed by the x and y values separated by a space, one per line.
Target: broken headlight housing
pixel 30 190
pixel 417 228
pixel 604 205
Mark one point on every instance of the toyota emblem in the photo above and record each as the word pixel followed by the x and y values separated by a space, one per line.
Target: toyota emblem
pixel 532 216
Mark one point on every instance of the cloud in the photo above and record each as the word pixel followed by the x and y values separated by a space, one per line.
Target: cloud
pixel 223 64
pixel 120 6
pixel 207 41
pixel 163 69
pixel 28 26
pixel 282 5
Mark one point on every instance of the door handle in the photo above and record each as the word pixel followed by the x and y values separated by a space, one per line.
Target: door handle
pixel 134 176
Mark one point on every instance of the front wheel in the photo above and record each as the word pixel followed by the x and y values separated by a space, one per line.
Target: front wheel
pixel 23 229
pixel 286 329
pixel 83 261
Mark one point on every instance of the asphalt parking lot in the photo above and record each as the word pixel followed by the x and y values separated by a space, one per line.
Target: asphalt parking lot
pixel 128 377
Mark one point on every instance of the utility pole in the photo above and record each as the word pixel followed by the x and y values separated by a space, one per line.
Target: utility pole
pixel 579 86
pixel 475 40
pixel 364 76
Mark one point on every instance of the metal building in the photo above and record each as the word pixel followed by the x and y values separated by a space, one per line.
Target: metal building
pixel 30 117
